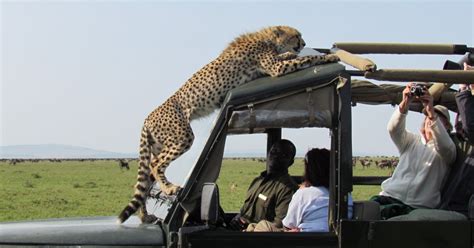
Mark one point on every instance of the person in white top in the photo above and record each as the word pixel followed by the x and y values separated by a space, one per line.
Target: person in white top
pixel 308 209
pixel 424 158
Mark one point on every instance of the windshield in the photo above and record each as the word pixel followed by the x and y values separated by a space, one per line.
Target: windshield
pixel 179 170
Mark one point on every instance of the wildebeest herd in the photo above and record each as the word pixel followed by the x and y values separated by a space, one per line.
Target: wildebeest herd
pixel 384 163
pixel 122 163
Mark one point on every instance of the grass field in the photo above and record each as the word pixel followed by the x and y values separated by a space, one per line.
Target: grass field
pixel 99 188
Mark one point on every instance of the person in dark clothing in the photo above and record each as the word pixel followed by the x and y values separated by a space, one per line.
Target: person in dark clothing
pixel 465 103
pixel 270 193
pixel 460 183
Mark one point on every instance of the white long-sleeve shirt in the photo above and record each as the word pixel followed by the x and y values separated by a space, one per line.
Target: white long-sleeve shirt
pixel 422 167
pixel 308 210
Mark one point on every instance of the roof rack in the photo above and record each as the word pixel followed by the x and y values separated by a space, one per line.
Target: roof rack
pixel 347 52
pixel 402 48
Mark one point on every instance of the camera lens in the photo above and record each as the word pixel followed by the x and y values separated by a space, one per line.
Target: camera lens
pixel 417 90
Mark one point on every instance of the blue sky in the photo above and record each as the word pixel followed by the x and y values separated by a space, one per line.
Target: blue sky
pixel 87 73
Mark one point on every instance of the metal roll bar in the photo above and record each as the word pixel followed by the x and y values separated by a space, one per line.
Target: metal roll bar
pixel 443 79
pixel 406 75
pixel 402 48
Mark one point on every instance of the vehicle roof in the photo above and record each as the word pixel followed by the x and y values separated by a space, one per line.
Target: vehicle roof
pixel 267 86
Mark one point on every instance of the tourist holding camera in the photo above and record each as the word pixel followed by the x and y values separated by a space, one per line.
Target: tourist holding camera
pixel 465 103
pixel 460 183
pixel 424 157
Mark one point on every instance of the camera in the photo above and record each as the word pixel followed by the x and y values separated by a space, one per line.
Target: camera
pixel 451 65
pixel 417 90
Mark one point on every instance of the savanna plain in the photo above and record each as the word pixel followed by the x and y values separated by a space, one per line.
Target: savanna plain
pixel 71 188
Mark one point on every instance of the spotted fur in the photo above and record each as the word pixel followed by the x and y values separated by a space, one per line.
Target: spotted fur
pixel 167 134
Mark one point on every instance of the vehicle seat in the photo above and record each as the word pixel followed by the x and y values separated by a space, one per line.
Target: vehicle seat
pixel 471 208
pixel 366 210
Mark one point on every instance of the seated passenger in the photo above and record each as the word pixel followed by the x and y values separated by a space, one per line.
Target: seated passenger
pixel 270 193
pixel 424 158
pixel 309 206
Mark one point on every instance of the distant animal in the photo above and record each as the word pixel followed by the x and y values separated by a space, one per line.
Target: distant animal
pixel 394 163
pixel 233 187
pixel 365 163
pixel 123 164
pixel 382 164
pixel 166 132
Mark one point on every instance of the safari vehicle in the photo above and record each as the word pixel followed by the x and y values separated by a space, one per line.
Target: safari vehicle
pixel 317 97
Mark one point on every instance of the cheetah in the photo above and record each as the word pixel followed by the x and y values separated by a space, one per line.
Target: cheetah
pixel 166 132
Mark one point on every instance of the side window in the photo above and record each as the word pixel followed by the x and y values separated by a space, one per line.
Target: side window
pixel 179 169
pixel 244 159
pixel 373 152
pixel 304 140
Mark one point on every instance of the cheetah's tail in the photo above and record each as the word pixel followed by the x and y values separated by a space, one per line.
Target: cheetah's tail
pixel 143 179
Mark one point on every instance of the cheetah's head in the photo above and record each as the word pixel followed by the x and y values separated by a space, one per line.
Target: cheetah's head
pixel 287 39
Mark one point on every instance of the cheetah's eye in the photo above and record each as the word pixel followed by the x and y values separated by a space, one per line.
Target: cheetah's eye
pixel 295 40
pixel 292 40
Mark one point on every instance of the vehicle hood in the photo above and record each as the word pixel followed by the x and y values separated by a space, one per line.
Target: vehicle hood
pixel 81 231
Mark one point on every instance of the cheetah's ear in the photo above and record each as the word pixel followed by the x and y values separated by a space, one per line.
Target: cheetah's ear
pixel 278 31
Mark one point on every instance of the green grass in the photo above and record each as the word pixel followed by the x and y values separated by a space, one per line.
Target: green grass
pixel 99 188
pixel 47 190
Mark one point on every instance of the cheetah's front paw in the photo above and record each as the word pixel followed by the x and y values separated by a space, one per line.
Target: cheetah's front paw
pixel 287 56
pixel 169 189
pixel 332 58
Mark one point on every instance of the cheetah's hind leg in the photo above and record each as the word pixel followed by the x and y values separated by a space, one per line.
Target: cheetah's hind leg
pixel 168 154
pixel 142 211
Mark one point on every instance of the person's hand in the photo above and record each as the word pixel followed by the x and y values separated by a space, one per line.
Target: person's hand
pixel 406 98
pixel 427 101
pixel 304 184
pixel 295 229
pixel 469 68
pixel 237 223
pixel 463 87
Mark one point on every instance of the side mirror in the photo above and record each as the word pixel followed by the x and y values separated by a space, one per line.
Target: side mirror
pixel 210 203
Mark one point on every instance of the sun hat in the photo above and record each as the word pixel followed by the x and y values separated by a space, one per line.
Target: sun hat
pixel 442 110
